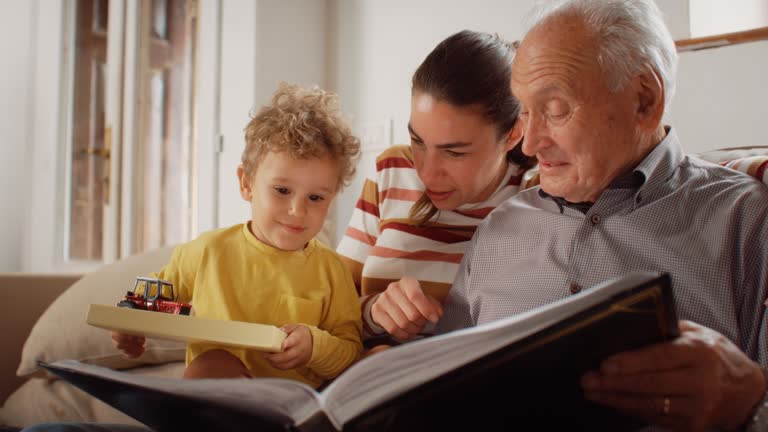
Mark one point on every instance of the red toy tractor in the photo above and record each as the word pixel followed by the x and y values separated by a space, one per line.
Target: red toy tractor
pixel 156 295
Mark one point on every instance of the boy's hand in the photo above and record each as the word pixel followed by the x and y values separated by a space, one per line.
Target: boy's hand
pixel 297 348
pixel 132 346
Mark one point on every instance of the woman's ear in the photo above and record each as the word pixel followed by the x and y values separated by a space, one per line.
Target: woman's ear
pixel 514 136
pixel 245 184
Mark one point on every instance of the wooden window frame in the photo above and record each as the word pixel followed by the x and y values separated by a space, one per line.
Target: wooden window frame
pixel 714 41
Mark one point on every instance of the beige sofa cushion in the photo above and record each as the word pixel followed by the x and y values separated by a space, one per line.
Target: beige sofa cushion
pixel 61 331
pixel 749 160
pixel 45 400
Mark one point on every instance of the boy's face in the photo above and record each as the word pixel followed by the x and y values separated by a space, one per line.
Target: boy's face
pixel 289 198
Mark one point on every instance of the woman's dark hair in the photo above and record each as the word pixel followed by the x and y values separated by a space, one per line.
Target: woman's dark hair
pixel 471 68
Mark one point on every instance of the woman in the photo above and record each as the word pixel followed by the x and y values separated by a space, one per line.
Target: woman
pixel 412 222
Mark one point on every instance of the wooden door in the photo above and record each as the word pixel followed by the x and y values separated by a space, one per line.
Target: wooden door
pixel 165 160
pixel 89 156
pixel 143 92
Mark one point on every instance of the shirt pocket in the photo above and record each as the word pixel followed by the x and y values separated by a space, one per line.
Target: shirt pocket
pixel 297 310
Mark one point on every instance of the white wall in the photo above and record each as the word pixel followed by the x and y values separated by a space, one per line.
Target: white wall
pixel 17 30
pixel 722 97
pixel 263 43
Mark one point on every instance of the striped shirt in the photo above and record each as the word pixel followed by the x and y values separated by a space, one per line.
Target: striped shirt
pixel 381 244
pixel 702 223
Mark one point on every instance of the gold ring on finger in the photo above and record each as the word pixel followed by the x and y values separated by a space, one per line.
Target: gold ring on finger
pixel 666 406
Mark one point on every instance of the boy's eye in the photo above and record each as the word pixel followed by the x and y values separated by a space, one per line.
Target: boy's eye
pixel 282 190
pixel 315 198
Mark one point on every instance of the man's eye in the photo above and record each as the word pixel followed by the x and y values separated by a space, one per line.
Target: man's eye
pixel 316 198
pixel 557 110
pixel 454 154
pixel 557 115
pixel 282 190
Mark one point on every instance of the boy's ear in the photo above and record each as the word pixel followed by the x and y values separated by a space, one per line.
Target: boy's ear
pixel 245 184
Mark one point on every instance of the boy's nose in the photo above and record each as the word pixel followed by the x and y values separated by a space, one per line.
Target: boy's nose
pixel 298 207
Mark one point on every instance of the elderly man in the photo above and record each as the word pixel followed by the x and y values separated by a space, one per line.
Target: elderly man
pixel 618 194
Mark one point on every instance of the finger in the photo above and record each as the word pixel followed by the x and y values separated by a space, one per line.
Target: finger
pixel 676 354
pixel 282 360
pixel 132 350
pixel 393 320
pixel 415 294
pixel 387 323
pixel 291 340
pixel 132 346
pixel 680 414
pixel 436 305
pixel 289 328
pixel 124 338
pixel 677 382
pixel 405 311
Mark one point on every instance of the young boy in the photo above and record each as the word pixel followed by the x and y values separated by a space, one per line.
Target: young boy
pixel 299 153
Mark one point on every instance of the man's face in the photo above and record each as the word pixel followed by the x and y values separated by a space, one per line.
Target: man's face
pixel 583 135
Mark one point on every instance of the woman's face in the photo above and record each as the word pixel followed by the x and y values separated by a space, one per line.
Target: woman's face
pixel 458 153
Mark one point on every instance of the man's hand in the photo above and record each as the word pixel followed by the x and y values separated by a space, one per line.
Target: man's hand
pixel 697 381
pixel 131 346
pixel 297 348
pixel 403 309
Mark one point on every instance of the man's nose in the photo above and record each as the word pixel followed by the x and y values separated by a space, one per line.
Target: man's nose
pixel 534 136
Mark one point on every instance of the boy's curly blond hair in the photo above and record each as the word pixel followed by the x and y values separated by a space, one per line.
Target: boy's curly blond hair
pixel 306 123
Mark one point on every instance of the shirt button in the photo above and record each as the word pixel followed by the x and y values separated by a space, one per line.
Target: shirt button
pixel 595 219
pixel 574 288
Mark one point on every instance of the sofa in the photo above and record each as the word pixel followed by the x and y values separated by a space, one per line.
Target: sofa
pixel 43 316
pixel 44 320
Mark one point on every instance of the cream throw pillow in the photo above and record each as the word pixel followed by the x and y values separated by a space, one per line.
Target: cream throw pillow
pixel 61 331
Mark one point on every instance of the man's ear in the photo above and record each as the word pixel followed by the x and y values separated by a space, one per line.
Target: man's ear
pixel 650 99
pixel 245 184
pixel 514 136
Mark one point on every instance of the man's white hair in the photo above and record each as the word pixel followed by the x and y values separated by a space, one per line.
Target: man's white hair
pixel 631 33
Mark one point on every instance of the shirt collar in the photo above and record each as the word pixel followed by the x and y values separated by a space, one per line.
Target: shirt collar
pixel 653 170
pixel 662 162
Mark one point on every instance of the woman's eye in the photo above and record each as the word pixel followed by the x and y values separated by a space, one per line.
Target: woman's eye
pixel 282 190
pixel 315 198
pixel 452 153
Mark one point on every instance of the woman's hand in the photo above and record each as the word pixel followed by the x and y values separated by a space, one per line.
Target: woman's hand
pixel 403 309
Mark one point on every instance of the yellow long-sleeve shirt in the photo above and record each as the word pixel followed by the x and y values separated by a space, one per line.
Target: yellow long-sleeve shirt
pixel 229 274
